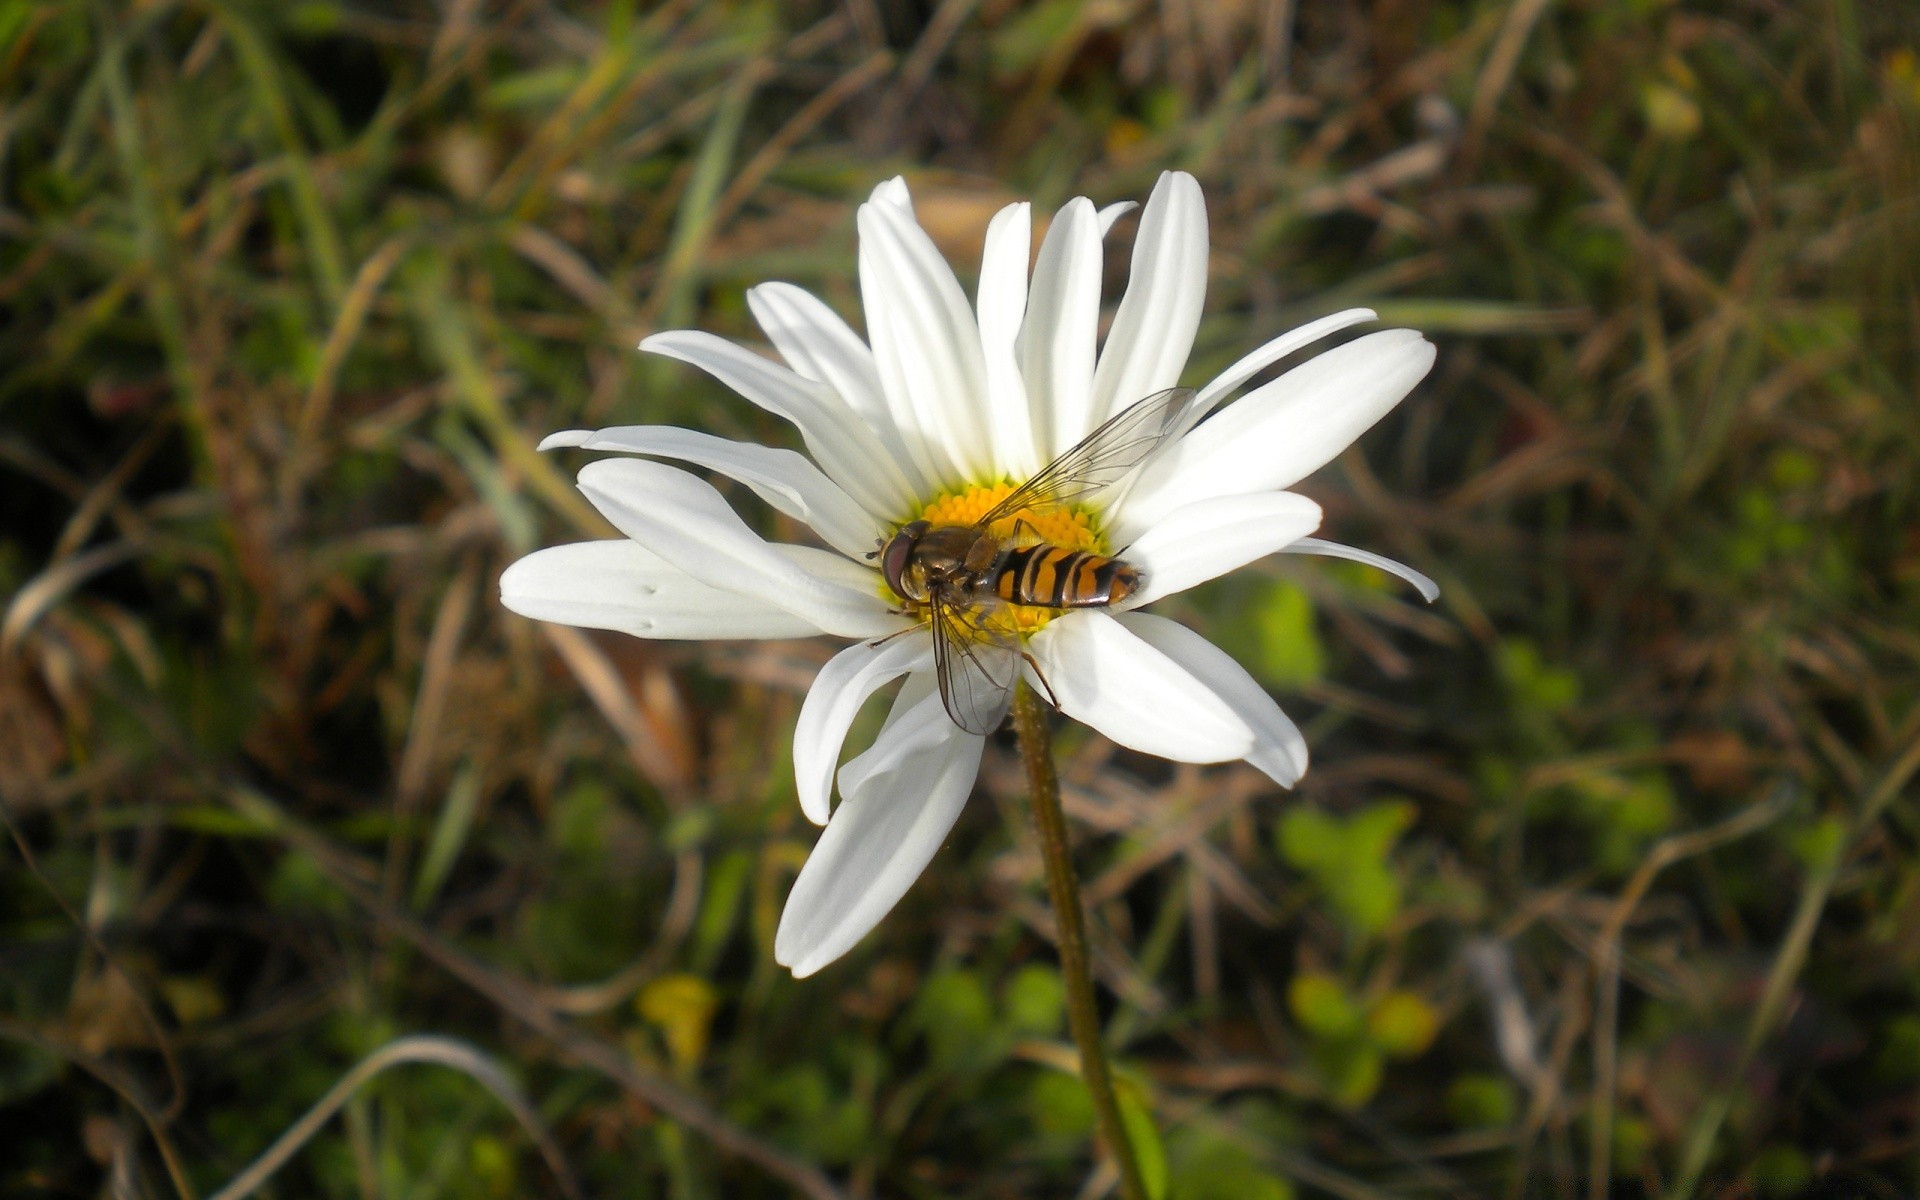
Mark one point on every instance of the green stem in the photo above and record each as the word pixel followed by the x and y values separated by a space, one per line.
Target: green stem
pixel 1083 1016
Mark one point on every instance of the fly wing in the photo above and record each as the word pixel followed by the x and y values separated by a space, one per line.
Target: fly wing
pixel 1101 458
pixel 976 666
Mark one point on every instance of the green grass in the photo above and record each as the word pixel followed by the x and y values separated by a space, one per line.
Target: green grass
pixel 1605 880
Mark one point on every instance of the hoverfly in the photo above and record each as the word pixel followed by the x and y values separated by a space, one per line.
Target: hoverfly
pixel 961 577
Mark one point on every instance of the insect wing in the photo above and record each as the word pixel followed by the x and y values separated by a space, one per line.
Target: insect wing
pixel 1101 458
pixel 977 667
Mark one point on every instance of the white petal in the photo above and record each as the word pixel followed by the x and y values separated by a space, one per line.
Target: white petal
pixel 844 446
pixel 1002 307
pixel 1207 538
pixel 879 841
pixel 782 478
pixel 1113 212
pixel 1056 345
pixel 918 724
pixel 925 342
pixel 893 191
pixel 1284 430
pixel 1105 677
pixel 1153 330
pixel 621 585
pixel 1429 590
pixel 1278 748
pixel 817 344
pixel 833 702
pixel 565 438
pixel 1272 352
pixel 684 520
pixel 839 570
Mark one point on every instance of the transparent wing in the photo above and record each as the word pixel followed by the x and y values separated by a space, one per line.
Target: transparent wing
pixel 976 666
pixel 1103 457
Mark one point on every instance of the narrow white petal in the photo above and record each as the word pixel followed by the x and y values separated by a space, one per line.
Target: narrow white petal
pixel 1284 430
pixel 1429 590
pixel 1002 307
pixel 838 570
pixel 681 518
pixel 879 841
pixel 818 345
pixel 1278 748
pixel 917 724
pixel 925 341
pixel 1208 538
pixel 782 478
pixel 1113 212
pixel 1153 330
pixel 1104 676
pixel 565 439
pixel 833 702
pixel 844 446
pixel 621 585
pixel 1273 352
pixel 1056 345
pixel 893 191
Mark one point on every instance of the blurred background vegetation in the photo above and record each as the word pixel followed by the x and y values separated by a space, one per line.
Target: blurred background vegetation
pixel 1606 880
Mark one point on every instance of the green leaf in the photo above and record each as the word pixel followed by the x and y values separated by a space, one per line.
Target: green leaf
pixel 301 884
pixel 1818 845
pixel 450 832
pixel 1373 830
pixel 1352 1072
pixel 1534 683
pixel 1060 1105
pixel 1367 895
pixel 956 1016
pixel 1035 1000
pixel 1899 1058
pixel 1670 113
pixel 1780 1170
pixel 681 1006
pixel 1288 649
pixel 1633 1140
pixel 578 824
pixel 1322 1006
pixel 1310 839
pixel 726 887
pixel 1791 467
pixel 1482 1102
pixel 1144 1136
pixel 534 89
pixel 1347 859
pixel 1208 1166
pixel 1402 1024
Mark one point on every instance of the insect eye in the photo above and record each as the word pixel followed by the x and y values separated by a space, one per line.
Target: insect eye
pixel 896 560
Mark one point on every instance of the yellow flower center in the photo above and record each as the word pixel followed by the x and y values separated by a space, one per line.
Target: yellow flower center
pixel 1068 527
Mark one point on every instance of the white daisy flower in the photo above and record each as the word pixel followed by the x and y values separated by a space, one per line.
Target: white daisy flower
pixel 937 417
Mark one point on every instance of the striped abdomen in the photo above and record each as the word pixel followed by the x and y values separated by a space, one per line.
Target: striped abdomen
pixel 1046 576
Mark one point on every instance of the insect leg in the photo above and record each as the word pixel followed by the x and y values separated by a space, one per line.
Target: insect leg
pixel 1051 698
pixel 896 633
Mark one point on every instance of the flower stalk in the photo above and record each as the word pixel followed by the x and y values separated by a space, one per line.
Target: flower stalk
pixel 1063 888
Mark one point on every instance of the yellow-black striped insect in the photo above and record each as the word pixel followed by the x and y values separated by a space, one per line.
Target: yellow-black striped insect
pixel 963 578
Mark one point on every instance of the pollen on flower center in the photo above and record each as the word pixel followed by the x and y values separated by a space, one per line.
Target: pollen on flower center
pixel 1068 527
